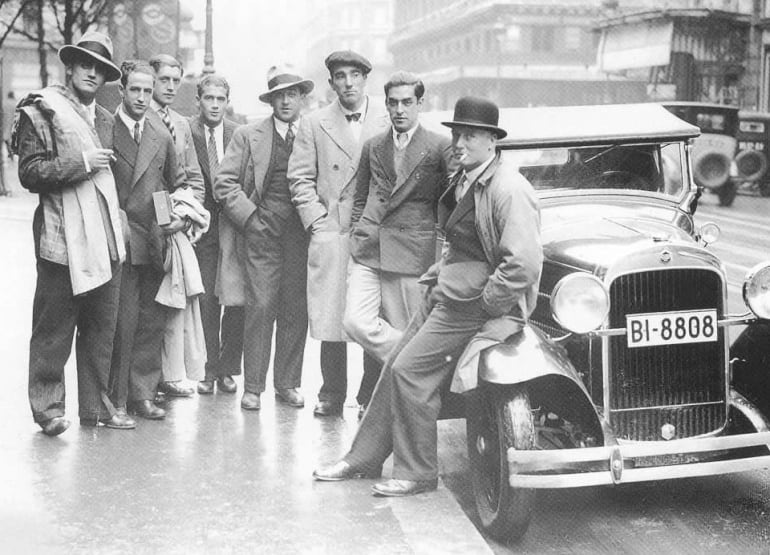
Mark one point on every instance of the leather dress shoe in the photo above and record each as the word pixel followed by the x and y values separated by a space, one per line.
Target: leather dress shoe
pixel 55 425
pixel 402 488
pixel 175 389
pixel 206 387
pixel 327 408
pixel 119 421
pixel 147 409
pixel 250 401
pixel 227 384
pixel 341 470
pixel 291 397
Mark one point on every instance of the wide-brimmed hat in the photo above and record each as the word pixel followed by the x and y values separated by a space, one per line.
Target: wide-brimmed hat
pixel 95 45
pixel 348 58
pixel 282 77
pixel 477 112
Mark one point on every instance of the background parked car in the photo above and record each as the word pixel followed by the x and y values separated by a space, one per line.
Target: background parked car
pixel 753 150
pixel 714 151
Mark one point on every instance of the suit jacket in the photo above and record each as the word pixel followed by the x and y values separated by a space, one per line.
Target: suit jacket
pixel 141 170
pixel 201 143
pixel 238 188
pixel 322 175
pixel 395 217
pixel 41 172
pixel 186 155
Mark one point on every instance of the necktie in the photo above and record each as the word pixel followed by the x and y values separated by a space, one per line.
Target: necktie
pixel 137 134
pixel 462 187
pixel 167 121
pixel 401 140
pixel 353 117
pixel 212 151
pixel 290 137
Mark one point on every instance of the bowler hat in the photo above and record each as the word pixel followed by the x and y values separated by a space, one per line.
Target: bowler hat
pixel 477 112
pixel 284 76
pixel 96 46
pixel 349 58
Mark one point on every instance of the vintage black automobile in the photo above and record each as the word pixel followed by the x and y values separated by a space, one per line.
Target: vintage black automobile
pixel 625 372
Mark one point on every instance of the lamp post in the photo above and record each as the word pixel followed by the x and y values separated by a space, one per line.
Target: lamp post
pixel 208 56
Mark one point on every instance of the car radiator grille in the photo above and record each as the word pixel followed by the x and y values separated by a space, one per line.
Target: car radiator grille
pixel 681 385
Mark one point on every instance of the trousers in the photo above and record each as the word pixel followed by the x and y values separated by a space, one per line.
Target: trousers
pixel 402 415
pixel 56 314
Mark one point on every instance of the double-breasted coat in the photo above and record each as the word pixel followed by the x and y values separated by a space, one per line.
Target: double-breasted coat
pixel 394 212
pixel 322 178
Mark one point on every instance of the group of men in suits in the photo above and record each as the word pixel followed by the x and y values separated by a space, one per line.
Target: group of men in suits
pixel 99 249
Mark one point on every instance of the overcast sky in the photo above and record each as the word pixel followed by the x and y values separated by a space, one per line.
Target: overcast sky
pixel 246 44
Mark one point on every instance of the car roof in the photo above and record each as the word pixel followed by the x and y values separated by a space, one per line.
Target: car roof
pixel 583 125
pixel 748 114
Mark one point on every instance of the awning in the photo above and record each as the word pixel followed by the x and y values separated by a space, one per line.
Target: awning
pixel 635 45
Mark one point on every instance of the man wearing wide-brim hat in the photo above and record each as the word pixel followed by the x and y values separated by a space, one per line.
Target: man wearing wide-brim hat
pixel 263 242
pixel 79 240
pixel 481 291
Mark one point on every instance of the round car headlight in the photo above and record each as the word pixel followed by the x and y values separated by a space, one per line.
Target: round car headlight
pixel 580 302
pixel 756 290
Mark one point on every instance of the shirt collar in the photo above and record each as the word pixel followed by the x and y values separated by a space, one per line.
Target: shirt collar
pixel 409 135
pixel 129 122
pixel 91 111
pixel 474 174
pixel 155 105
pixel 282 127
pixel 362 110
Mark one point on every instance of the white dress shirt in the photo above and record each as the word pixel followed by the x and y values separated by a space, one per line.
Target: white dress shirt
pixel 219 138
pixel 357 126
pixel 283 127
pixel 409 135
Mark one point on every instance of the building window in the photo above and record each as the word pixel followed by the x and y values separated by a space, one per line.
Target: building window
pixel 572 38
pixel 542 39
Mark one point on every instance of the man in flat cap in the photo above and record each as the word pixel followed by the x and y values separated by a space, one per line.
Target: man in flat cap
pixel 481 291
pixel 322 175
pixel 270 240
pixel 78 235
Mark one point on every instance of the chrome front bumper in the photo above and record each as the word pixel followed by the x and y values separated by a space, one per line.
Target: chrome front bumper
pixel 615 464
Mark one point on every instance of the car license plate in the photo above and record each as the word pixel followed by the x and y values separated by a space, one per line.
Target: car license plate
pixel 671 328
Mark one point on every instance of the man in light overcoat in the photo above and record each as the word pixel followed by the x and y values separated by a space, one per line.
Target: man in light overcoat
pixel 322 176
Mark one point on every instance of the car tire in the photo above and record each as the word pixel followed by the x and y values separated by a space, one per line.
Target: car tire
pixel 751 164
pixel 498 418
pixel 712 170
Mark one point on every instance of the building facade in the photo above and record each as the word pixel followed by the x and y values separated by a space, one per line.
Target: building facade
pixel 515 52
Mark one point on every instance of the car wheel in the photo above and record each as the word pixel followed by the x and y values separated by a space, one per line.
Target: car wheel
pixel 496 420
pixel 726 193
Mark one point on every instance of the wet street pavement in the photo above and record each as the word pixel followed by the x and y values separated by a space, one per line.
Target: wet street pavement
pixel 209 478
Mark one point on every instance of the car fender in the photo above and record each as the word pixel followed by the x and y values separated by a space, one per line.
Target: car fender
pixel 750 358
pixel 530 357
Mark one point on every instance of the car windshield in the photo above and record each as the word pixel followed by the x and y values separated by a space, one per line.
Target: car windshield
pixel 655 168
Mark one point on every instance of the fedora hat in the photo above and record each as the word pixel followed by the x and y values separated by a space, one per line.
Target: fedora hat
pixel 477 112
pixel 96 46
pixel 282 77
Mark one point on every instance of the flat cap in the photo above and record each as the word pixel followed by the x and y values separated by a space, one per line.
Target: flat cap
pixel 347 57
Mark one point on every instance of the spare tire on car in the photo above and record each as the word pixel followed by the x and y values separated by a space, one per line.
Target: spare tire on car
pixel 752 165
pixel 712 170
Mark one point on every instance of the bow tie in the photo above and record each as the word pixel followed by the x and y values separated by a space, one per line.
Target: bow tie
pixel 353 117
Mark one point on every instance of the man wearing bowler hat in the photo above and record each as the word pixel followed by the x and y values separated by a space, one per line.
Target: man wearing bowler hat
pixel 270 242
pixel 78 235
pixel 483 289
pixel 322 175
